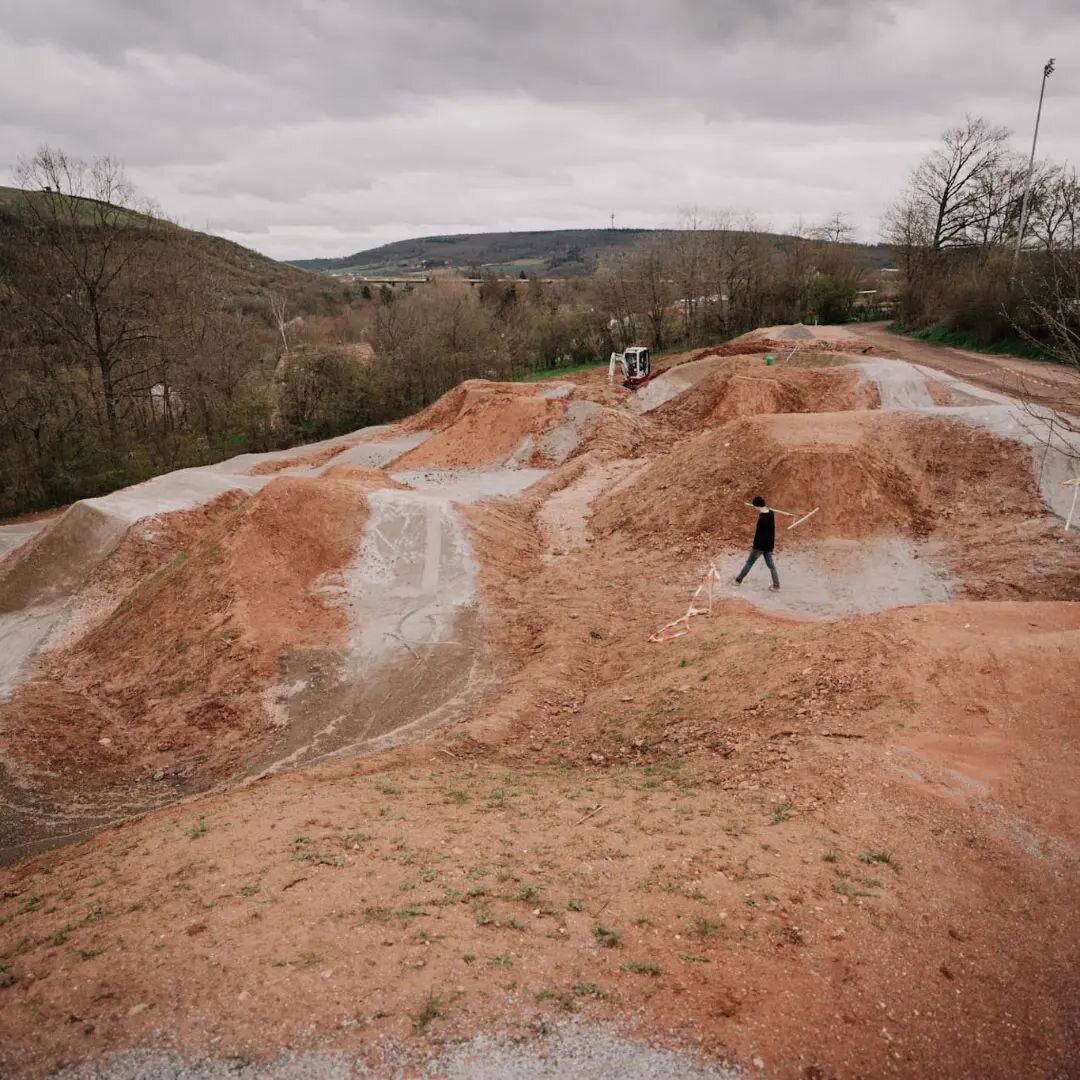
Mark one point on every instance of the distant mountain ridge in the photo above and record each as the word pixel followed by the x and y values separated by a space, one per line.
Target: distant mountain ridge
pixel 550 253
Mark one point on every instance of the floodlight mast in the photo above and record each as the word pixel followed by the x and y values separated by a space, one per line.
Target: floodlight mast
pixel 1048 70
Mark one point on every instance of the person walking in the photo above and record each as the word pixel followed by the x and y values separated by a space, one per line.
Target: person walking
pixel 764 542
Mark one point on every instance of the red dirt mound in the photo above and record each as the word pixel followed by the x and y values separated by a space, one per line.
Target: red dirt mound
pixel 174 676
pixel 868 472
pixel 302 461
pixel 745 388
pixel 489 428
pixel 440 414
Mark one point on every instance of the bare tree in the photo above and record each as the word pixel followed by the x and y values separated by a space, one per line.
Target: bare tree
pixel 84 280
pixel 945 201
pixel 837 230
pixel 278 306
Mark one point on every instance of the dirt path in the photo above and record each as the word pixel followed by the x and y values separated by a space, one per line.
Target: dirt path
pixel 1052 385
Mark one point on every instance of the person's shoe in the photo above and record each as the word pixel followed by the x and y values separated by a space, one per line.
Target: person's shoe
pixel 774 588
pixel 736 581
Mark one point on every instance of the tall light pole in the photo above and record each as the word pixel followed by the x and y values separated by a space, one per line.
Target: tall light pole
pixel 1048 70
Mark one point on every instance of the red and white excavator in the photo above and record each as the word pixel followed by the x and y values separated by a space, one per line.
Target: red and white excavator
pixel 634 364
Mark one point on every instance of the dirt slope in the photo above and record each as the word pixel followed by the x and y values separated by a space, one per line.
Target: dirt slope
pixel 831 847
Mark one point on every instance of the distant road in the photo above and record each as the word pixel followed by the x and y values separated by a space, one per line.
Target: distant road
pixel 1053 385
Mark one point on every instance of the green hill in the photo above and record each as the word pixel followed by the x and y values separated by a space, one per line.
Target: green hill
pixel 244 275
pixel 549 253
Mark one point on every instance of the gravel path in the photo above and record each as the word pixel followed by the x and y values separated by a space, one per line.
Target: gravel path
pixel 573 1051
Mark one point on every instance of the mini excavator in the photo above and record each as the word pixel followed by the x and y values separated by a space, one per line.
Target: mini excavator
pixel 634 364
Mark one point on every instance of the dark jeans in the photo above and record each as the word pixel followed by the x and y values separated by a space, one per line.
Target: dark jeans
pixel 754 556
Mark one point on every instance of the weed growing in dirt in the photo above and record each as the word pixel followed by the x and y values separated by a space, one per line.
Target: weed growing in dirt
pixel 502 960
pixel 690 958
pixel 563 1000
pixel 575 904
pixel 606 937
pixel 249 890
pixel 640 967
pixel 7 977
pixel 469 957
pixel 641 920
pixel 483 914
pixel 879 857
pixel 587 989
pixel 197 830
pixel 529 893
pixel 704 929
pixel 310 959
pixel 781 812
pixel 432 1010
pixel 411 913
pixel 830 856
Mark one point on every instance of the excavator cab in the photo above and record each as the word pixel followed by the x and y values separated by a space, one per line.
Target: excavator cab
pixel 634 364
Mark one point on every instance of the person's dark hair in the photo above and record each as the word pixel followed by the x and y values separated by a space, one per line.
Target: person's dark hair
pixel 758 500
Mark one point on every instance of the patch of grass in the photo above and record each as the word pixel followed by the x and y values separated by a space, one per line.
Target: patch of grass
pixel 310 959
pixel 432 1010
pixel 469 957
pixel 483 914
pixel 411 912
pixel 89 954
pixel 355 836
pixel 502 960
pixel 830 857
pixel 514 924
pixel 200 828
pixel 606 937
pixel 690 958
pixel 944 335
pixel 705 929
pixel 588 989
pixel 249 890
pixel 529 893
pixel 575 904
pixel 641 967
pixel 781 812
pixel 562 999
pixel 7 977
pixel 879 857
pixel 31 903
pixel 641 920
pixel 459 797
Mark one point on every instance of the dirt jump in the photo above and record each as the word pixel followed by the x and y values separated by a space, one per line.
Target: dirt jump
pixel 375 741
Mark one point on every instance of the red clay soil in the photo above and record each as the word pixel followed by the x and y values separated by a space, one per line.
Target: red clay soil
pixel 302 461
pixel 746 388
pixel 839 847
pixel 486 433
pixel 173 678
pixel 869 474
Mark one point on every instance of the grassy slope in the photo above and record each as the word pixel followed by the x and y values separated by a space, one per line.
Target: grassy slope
pixel 246 275
pixel 548 252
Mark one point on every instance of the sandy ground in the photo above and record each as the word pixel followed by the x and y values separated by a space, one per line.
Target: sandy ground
pixel 825 834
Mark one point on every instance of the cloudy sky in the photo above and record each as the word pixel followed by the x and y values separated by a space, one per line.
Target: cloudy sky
pixel 322 127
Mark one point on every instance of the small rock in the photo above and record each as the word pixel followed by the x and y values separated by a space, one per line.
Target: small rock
pixel 106 741
pixel 758 1063
pixel 140 1008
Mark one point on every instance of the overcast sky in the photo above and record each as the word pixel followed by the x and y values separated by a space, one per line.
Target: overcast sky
pixel 321 127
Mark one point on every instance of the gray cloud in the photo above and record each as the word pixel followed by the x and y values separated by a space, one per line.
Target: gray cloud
pixel 320 127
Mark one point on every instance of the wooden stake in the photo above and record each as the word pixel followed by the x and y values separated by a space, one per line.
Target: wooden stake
pixel 772 508
pixel 803 518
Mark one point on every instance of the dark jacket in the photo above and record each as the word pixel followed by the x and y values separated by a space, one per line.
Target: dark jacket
pixel 765 533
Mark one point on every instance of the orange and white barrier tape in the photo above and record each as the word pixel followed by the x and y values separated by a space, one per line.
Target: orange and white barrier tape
pixel 681 626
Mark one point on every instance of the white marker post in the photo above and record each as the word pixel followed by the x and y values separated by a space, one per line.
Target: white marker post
pixel 1075 485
